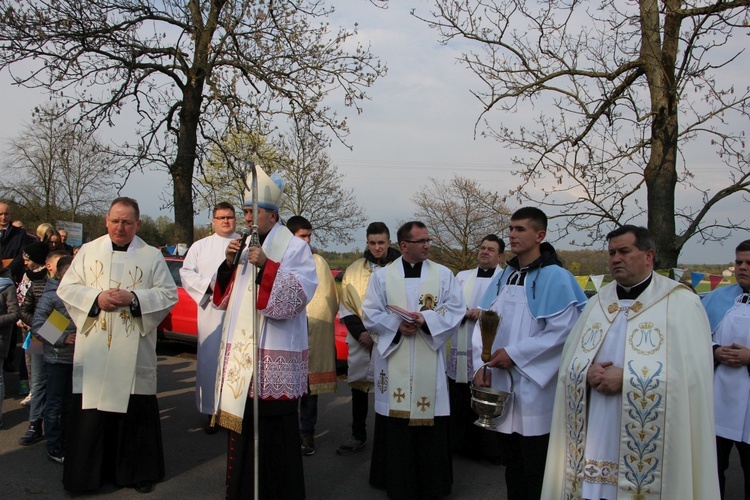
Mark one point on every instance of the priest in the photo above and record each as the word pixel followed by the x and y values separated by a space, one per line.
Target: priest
pixel 633 415
pixel 465 436
pixel 411 309
pixel 117 291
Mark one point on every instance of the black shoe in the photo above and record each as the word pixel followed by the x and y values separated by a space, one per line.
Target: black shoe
pixel 352 446
pixel 56 456
pixel 308 445
pixel 33 435
pixel 144 487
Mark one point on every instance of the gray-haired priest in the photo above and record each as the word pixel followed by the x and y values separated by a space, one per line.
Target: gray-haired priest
pixel 411 309
pixel 117 291
pixel 286 282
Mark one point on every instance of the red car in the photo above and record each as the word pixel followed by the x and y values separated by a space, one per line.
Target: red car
pixel 182 321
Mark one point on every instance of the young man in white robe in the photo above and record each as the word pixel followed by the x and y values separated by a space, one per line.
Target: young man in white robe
pixel 379 253
pixel 321 338
pixel 538 302
pixel 633 418
pixel 466 437
pixel 285 283
pixel 117 291
pixel 411 309
pixel 728 310
pixel 198 269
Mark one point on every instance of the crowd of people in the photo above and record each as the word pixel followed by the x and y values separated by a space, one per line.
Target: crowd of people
pixel 609 397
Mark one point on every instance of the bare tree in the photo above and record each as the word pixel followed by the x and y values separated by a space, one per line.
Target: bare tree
pixel 188 68
pixel 225 173
pixel 621 87
pixel 54 169
pixel 313 187
pixel 459 213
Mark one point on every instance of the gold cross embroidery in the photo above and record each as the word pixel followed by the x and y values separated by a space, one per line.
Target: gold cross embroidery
pixel 423 404
pixel 399 395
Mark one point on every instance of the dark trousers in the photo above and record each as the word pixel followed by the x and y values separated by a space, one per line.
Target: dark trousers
pixel 524 468
pixel 360 404
pixel 57 408
pixel 308 414
pixel 723 449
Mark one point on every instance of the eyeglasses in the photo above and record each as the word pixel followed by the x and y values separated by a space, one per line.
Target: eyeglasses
pixel 226 217
pixel 419 242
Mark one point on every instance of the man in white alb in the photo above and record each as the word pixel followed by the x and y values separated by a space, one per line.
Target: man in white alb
pixel 466 437
pixel 728 310
pixel 198 269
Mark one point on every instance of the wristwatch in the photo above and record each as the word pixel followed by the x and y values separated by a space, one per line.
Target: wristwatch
pixel 134 303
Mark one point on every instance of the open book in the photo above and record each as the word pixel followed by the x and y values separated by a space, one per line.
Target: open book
pixel 401 313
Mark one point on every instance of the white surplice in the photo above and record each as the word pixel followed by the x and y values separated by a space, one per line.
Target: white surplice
pixel 199 268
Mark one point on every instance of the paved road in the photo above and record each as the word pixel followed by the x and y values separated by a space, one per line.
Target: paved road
pixel 195 461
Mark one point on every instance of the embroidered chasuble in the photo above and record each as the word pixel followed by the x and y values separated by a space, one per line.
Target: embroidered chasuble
pixel 321 314
pixel 655 439
pixel 115 352
pixel 288 282
pixel 410 373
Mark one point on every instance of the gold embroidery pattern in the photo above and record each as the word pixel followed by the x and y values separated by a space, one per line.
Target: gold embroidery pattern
pixel 423 404
pixel 241 359
pixel 636 307
pixel 97 273
pixel 601 471
pixel 399 394
pixel 136 278
pixel 613 307
pixel 646 339
pixel 127 322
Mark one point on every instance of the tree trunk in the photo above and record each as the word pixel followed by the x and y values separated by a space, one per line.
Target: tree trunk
pixel 182 168
pixel 661 171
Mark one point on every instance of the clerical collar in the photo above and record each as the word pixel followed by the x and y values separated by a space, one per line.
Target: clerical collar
pixel 632 293
pixel 120 248
pixel 412 270
pixel 485 273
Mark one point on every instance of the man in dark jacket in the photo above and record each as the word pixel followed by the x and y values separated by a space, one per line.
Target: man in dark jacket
pixel 12 241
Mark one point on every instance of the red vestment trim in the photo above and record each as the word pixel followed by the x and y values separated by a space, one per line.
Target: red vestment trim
pixel 270 269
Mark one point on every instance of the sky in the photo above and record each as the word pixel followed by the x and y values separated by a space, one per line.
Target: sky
pixel 418 124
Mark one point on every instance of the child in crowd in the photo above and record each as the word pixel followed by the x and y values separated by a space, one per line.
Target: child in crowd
pixel 58 357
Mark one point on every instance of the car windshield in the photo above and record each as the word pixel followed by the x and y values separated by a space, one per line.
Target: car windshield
pixel 174 269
